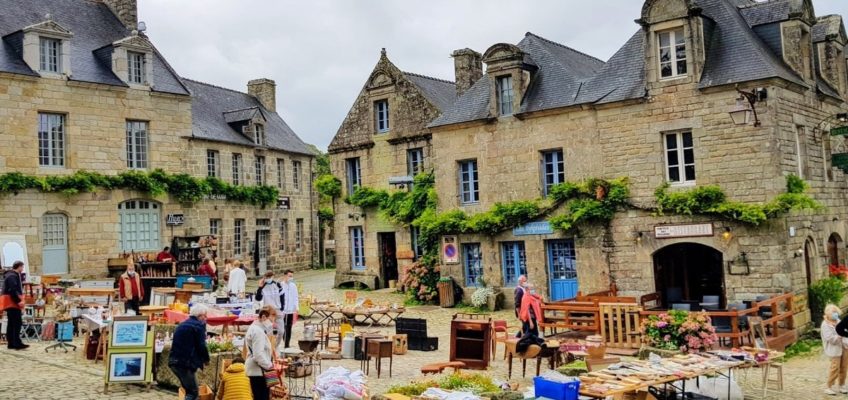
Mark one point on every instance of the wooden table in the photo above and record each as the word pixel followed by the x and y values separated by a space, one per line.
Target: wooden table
pixel 152 311
pixel 379 349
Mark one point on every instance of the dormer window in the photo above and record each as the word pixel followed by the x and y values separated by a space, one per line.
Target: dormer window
pixel 259 134
pixel 136 68
pixel 505 94
pixel 672 53
pixel 132 60
pixel 381 115
pixel 50 55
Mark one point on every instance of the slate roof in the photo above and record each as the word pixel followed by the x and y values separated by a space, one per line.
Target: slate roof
pixel 93 25
pixel 210 104
pixel 767 12
pixel 439 92
pixel 826 26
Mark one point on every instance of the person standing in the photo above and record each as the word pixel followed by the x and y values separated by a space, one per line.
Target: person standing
pixel 834 349
pixel 188 350
pixel 260 357
pixel 291 302
pixel 12 303
pixel 270 293
pixel 207 268
pixel 237 280
pixel 519 295
pixel 130 289
pixel 531 308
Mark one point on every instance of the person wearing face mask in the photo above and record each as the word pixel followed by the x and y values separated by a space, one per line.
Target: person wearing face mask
pixel 270 292
pixel 290 304
pixel 834 348
pixel 188 350
pixel 259 352
pixel 130 290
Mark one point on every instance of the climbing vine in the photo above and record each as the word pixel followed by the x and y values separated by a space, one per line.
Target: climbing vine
pixel 183 187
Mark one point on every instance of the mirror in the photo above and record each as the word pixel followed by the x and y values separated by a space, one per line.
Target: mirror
pixel 758 332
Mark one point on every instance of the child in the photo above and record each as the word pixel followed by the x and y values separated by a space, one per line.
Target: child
pixel 234 384
pixel 833 349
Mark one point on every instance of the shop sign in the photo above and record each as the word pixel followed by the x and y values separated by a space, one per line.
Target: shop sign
pixel 214 196
pixel 175 219
pixel 533 228
pixel 283 203
pixel 841 131
pixel 680 231
pixel 450 251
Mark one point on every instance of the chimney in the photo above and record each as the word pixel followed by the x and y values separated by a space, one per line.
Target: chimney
pixel 126 11
pixel 266 91
pixel 468 67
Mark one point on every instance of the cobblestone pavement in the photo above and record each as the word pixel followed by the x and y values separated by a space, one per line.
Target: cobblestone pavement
pixel 34 374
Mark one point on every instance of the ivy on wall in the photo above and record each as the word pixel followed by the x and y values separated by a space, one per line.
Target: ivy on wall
pixel 183 187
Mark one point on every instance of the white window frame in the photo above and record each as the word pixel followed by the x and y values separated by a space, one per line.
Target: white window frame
pixel 259 134
pixel 137 144
pixel 296 175
pixel 471 194
pixel 215 227
pixel 284 234
pixel 139 225
pixel 357 248
pixel 213 161
pixel 557 173
pixel 298 234
pixel 505 95
pixel 237 169
pixel 415 161
pixel 48 62
pixel 136 68
pixel 51 140
pixel 238 236
pixel 676 37
pixel 681 165
pixel 259 170
pixel 353 167
pixel 381 115
pixel 281 173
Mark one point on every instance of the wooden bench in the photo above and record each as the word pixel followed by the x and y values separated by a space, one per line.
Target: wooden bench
pixel 438 368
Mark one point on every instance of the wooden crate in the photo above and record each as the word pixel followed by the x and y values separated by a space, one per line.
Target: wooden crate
pixel 401 344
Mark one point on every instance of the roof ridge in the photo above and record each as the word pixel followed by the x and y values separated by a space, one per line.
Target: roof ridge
pixel 759 3
pixel 429 77
pixel 214 86
pixel 564 46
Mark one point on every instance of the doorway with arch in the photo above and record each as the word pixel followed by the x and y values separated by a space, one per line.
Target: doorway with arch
pixel 690 275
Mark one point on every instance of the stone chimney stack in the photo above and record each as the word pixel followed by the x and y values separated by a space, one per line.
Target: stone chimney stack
pixel 266 91
pixel 126 11
pixel 468 67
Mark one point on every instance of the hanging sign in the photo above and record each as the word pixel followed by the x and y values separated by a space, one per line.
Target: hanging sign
pixel 283 203
pixel 533 228
pixel 841 131
pixel 840 160
pixel 678 231
pixel 175 219
pixel 450 251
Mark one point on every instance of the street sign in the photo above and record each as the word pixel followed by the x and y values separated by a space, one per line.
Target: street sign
pixel 283 203
pixel 841 131
pixel 175 219
pixel 840 160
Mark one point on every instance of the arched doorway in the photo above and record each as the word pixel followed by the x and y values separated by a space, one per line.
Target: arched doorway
pixel 686 272
pixel 834 242
pixel 809 259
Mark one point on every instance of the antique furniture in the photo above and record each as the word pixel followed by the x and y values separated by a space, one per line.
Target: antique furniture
pixel 471 342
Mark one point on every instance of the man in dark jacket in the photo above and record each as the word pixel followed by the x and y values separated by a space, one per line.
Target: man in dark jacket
pixel 12 304
pixel 188 350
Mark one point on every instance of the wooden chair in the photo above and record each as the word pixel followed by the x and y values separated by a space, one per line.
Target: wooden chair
pixel 500 334
pixel 332 331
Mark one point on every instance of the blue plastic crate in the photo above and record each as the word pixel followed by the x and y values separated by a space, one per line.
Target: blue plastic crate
pixel 556 390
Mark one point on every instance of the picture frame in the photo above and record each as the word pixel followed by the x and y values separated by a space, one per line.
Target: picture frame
pixel 129 331
pixel 129 366
pixel 757 333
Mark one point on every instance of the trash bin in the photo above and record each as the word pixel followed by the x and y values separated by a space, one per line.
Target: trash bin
pixel 446 298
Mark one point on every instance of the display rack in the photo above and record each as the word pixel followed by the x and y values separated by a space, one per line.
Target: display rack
pixel 190 250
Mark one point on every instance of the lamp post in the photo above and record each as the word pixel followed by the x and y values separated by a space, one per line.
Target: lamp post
pixel 741 114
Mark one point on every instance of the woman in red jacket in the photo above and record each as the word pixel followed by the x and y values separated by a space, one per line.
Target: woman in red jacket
pixel 530 311
pixel 208 270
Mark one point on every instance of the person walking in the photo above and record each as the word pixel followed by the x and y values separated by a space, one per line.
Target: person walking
pixel 834 348
pixel 270 292
pixel 531 309
pixel 237 280
pixel 188 350
pixel 130 289
pixel 260 357
pixel 12 303
pixel 234 384
pixel 291 302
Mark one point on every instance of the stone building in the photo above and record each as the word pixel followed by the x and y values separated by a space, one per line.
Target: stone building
pixel 81 89
pixel 657 112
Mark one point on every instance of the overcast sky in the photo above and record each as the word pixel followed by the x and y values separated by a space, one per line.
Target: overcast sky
pixel 320 52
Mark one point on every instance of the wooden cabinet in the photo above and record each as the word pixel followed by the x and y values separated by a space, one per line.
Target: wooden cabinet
pixel 471 342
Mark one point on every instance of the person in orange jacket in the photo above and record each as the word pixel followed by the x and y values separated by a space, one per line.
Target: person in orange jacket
pixel 12 304
pixel 130 289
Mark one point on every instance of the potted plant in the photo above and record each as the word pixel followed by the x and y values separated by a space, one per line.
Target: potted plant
pixel 678 332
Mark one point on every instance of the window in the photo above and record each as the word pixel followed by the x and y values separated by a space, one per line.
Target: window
pixel 284 234
pixel 136 144
pixel 238 231
pixel 296 174
pixel 679 157
pixel 504 87
pixel 281 173
pixel 801 151
pixel 381 115
pixel 357 248
pixel 562 259
pixel 259 165
pixel 215 227
pixel 136 66
pixel 298 234
pixel 469 187
pixel 553 169
pixel 51 140
pixel 236 169
pixel 259 134
pixel 415 233
pixel 139 222
pixel 473 260
pixel 49 57
pixel 672 53
pixel 212 157
pixel 354 175
pixel 514 262
pixel 414 161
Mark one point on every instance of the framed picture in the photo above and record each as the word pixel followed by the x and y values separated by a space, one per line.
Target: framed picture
pixel 129 331
pixel 129 367
pixel 758 332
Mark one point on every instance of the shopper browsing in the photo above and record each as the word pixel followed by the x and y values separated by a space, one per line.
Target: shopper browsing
pixel 270 292
pixel 290 303
pixel 259 352
pixel 12 303
pixel 207 268
pixel 130 289
pixel 188 350
pixel 237 280
pixel 234 384
pixel 834 348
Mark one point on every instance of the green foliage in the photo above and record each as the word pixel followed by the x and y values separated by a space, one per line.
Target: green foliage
pixel 328 185
pixel 590 201
pixel 821 293
pixel 804 346
pixel 476 383
pixel 366 197
pixel 794 184
pixel 325 214
pixel 404 207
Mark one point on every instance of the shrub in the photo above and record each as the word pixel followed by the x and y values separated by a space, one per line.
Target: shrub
pixel 480 297
pixel 821 293
pixel 328 185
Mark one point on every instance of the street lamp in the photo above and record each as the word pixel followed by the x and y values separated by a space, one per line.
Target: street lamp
pixel 743 111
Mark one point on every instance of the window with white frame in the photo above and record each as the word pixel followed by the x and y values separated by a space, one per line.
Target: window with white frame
pixel 357 248
pixel 354 174
pixel 679 157
pixel 139 225
pixel 414 161
pixel 505 94
pixel 298 234
pixel 215 227
pixel 238 231
pixel 281 173
pixel 473 260
pixel 51 140
pixel 50 55
pixel 469 186
pixel 137 144
pixel 259 134
pixel 553 169
pixel 284 234
pixel 259 166
pixel 381 115
pixel 236 169
pixel 212 162
pixel 136 68
pixel 672 53
pixel 296 175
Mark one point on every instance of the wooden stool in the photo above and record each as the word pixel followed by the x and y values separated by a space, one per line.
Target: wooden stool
pixel 401 345
pixel 379 349
pixel 438 368
pixel 767 378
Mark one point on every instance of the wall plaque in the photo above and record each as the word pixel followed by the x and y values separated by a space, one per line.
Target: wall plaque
pixel 680 231
pixel 450 251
